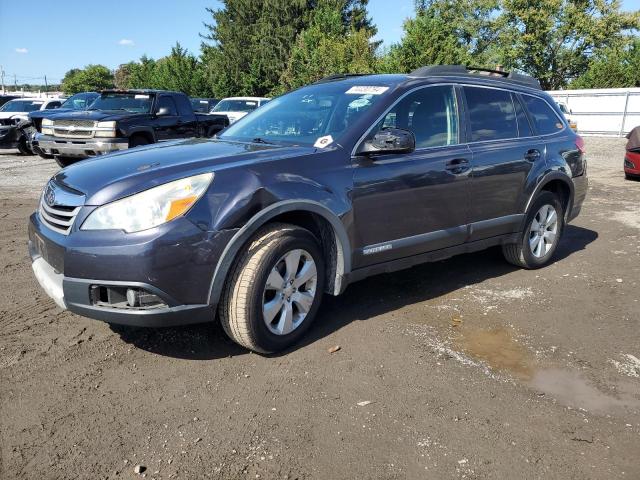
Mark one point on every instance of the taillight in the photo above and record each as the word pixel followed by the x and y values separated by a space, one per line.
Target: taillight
pixel 580 144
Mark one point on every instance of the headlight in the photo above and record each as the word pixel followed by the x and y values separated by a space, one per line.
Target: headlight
pixel 150 208
pixel 47 122
pixel 106 129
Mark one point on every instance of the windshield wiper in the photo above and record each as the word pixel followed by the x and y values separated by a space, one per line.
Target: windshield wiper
pixel 262 140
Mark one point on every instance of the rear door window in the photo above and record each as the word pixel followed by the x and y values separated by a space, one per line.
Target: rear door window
pixel 544 117
pixel 492 114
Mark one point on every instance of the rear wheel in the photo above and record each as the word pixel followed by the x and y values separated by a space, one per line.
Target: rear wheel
pixel 66 161
pixel 541 235
pixel 274 289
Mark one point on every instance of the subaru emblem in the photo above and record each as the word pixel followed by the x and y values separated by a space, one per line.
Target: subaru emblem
pixel 49 195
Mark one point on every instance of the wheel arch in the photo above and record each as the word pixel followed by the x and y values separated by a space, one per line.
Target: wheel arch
pixel 304 213
pixel 560 184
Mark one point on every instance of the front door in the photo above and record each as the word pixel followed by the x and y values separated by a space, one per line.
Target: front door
pixel 406 204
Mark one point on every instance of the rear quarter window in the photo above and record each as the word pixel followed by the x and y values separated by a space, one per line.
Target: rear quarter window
pixel 544 117
pixel 492 114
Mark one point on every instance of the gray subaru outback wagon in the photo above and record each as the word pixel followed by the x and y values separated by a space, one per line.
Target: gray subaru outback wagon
pixel 349 177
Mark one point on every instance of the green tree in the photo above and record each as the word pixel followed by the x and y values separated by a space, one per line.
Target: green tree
pixel 248 44
pixel 180 71
pixel 122 75
pixel 445 32
pixel 91 78
pixel 142 73
pixel 613 68
pixel 327 47
pixel 554 40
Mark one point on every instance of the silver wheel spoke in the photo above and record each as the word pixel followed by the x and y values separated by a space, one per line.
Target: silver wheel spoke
pixel 534 242
pixel 303 300
pixel 550 237
pixel 275 281
pixel 535 225
pixel 307 272
pixel 552 218
pixel 292 260
pixel 542 213
pixel 285 324
pixel 272 308
pixel 288 296
pixel 539 247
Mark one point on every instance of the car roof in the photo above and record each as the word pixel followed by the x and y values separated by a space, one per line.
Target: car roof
pixel 246 98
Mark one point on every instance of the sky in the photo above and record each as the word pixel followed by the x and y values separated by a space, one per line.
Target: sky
pixel 53 37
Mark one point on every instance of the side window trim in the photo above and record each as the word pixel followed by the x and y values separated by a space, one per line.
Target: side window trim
pixel 400 99
pixel 527 115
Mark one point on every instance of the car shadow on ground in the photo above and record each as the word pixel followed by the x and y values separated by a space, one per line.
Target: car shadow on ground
pixel 392 291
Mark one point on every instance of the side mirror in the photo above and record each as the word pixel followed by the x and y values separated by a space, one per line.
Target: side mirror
pixel 389 140
pixel 163 112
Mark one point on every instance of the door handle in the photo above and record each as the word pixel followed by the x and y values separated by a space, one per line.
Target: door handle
pixel 457 165
pixel 532 155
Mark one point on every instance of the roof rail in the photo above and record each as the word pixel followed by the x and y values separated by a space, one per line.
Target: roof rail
pixel 435 70
pixel 339 76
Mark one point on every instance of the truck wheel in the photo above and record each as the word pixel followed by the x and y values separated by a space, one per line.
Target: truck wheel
pixel 274 289
pixel 541 234
pixel 138 141
pixel 213 130
pixel 22 146
pixel 66 161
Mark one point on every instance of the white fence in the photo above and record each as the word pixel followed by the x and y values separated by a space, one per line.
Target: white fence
pixel 604 112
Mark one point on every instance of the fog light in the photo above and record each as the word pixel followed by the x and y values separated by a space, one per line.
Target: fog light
pixel 141 298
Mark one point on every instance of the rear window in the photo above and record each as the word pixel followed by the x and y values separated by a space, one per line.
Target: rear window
pixel 492 114
pixel 544 118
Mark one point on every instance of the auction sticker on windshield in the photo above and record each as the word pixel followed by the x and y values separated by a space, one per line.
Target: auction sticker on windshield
pixel 141 97
pixel 366 90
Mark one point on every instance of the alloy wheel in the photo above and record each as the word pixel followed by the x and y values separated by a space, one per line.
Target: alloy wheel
pixel 543 231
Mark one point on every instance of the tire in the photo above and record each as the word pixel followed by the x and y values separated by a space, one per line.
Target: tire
pixel 523 254
pixel 66 161
pixel 22 146
pixel 138 141
pixel 248 290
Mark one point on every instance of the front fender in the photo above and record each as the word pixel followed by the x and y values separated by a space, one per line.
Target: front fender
pixel 242 236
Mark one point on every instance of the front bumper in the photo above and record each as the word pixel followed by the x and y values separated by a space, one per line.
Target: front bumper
pixel 632 163
pixel 174 262
pixel 78 147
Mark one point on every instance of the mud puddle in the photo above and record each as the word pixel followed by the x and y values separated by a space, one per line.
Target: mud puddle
pixel 503 353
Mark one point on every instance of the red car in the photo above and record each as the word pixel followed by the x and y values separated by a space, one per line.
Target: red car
pixel 632 156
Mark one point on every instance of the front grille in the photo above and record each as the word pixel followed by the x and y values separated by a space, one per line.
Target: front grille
pixel 60 212
pixel 73 128
pixel 58 132
pixel 74 123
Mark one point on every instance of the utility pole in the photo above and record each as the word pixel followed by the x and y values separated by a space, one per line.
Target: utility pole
pixel 46 87
pixel 15 82
pixel 2 78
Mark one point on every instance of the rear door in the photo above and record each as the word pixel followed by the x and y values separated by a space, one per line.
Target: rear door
pixel 187 122
pixel 406 204
pixel 505 150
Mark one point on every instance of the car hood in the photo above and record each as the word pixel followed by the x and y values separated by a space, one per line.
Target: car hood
pixel 108 178
pixel 50 113
pixel 4 115
pixel 96 115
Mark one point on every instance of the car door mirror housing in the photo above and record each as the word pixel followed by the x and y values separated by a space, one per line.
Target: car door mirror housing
pixel 163 112
pixel 389 140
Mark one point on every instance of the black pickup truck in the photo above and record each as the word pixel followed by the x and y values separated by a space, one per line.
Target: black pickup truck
pixel 121 119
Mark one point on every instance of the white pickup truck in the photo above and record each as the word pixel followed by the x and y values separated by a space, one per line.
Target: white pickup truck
pixel 237 107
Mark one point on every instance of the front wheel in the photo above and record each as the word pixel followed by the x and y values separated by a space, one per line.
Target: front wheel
pixel 541 235
pixel 274 289
pixel 22 146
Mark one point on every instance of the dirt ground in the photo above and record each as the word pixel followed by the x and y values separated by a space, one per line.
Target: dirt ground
pixel 466 368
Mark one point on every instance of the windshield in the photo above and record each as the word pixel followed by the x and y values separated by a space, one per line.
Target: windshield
pixel 22 106
pixel 79 101
pixel 315 115
pixel 236 106
pixel 131 102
